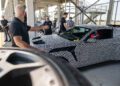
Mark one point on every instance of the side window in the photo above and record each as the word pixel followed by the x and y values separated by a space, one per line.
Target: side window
pixel 105 34
pixel 100 35
pixel 80 32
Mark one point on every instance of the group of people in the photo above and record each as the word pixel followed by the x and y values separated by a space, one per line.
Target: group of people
pixel 64 24
pixel 18 28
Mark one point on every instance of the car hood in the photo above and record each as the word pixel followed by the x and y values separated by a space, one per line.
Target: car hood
pixel 49 42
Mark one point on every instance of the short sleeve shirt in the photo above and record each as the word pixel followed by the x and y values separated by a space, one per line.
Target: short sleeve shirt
pixel 70 23
pixel 62 27
pixel 18 28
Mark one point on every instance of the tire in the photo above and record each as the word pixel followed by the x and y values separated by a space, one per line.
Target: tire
pixel 54 72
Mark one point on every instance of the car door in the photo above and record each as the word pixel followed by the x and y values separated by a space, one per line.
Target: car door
pixel 93 51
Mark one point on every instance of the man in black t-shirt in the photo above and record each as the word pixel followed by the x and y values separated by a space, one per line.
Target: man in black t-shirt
pixel 63 24
pixel 19 29
pixel 49 23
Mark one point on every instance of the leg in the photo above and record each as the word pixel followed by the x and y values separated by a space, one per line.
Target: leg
pixel 6 39
pixel 7 32
pixel 9 36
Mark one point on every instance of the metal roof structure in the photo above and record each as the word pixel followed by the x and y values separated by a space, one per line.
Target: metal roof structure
pixel 90 13
pixel 44 3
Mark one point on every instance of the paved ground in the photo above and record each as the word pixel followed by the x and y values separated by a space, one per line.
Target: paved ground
pixel 7 44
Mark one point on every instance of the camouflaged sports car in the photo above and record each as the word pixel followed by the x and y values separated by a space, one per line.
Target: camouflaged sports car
pixel 83 45
pixel 97 57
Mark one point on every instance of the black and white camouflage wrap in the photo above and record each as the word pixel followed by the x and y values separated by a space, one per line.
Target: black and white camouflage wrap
pixel 54 41
pixel 84 53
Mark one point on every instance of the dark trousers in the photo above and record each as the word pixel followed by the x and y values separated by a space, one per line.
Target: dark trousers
pixel 48 32
pixel 7 35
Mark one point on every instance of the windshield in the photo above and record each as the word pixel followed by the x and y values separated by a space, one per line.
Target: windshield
pixel 76 33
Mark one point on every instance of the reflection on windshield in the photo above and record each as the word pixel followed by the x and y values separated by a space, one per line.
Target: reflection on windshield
pixel 75 34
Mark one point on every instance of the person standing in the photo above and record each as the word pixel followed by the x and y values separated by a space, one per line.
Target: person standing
pixel 63 24
pixel 19 29
pixel 54 23
pixel 49 23
pixel 4 23
pixel 70 22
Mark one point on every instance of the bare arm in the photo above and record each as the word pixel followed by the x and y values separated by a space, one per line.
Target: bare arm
pixel 20 43
pixel 66 26
pixel 38 28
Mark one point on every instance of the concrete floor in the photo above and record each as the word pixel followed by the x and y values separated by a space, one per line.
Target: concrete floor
pixel 8 44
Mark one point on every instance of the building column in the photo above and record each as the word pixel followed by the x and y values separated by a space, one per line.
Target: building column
pixel 81 4
pixel 110 12
pixel 58 14
pixel 30 12
pixel 0 7
pixel 78 18
pixel 46 11
pixel 30 17
pixel 9 10
pixel 16 2
pixel 39 14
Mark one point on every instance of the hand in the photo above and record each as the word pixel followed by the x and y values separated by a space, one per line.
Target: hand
pixel 41 50
pixel 45 27
pixel 37 49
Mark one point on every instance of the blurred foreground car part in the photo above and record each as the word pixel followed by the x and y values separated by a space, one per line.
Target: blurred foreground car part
pixel 28 68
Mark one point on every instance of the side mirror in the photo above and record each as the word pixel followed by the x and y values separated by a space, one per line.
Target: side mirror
pixel 91 40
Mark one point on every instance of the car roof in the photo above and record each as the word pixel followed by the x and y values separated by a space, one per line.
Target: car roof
pixel 95 27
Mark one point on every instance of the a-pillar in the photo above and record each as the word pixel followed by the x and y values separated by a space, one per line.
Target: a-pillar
pixel 30 12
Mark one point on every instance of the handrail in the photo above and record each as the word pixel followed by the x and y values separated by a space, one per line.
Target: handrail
pixel 98 9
